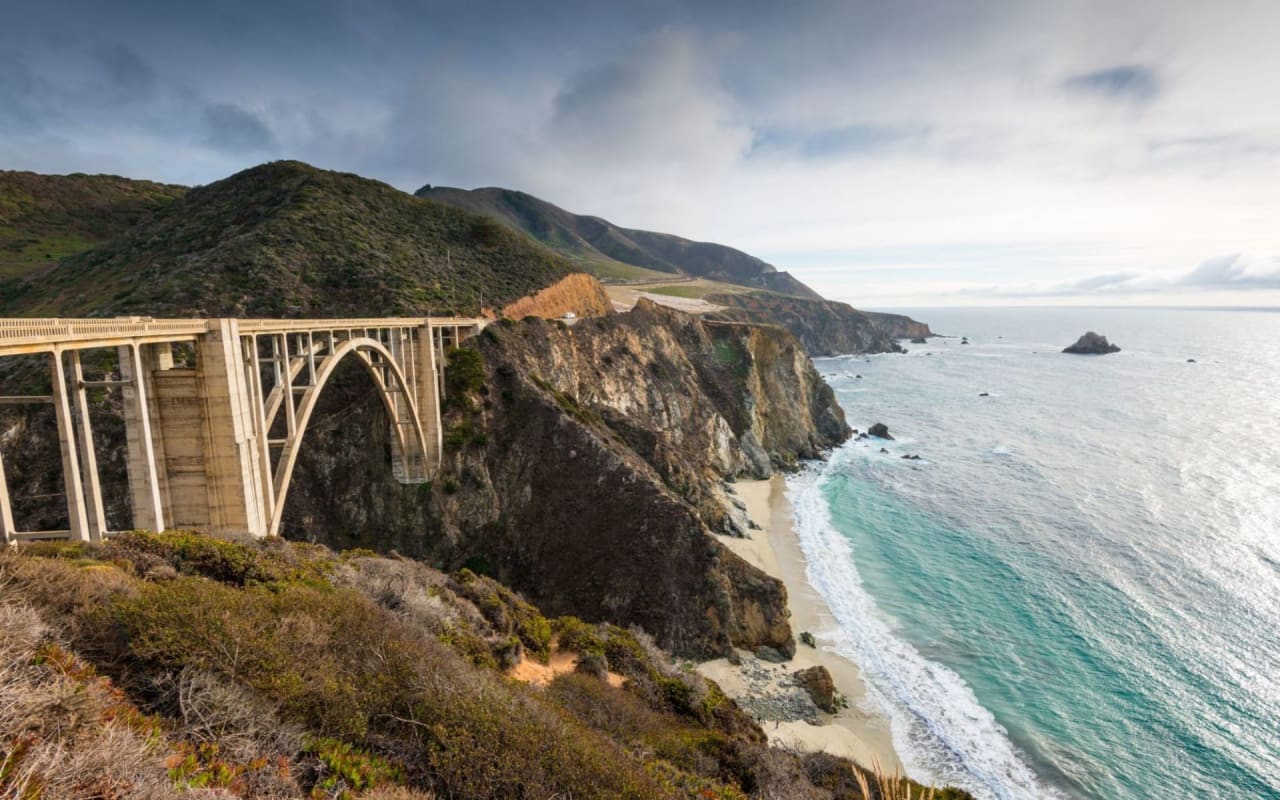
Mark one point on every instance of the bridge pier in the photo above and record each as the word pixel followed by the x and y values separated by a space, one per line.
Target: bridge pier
pixel 236 489
pixel 78 520
pixel 144 449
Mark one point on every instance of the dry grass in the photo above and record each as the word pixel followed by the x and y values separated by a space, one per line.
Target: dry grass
pixel 67 733
pixel 890 787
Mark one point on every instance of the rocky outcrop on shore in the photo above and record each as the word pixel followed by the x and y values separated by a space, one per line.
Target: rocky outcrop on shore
pixel 899 326
pixel 824 327
pixel 1092 344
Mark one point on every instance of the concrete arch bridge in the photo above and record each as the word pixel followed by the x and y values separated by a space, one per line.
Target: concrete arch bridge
pixel 213 434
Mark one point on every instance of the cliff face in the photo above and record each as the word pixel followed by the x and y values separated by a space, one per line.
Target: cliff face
pixel 824 327
pixel 899 326
pixel 587 471
pixel 578 293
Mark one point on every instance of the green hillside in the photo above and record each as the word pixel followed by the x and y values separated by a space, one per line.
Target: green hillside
pixel 288 239
pixel 44 218
pixel 612 252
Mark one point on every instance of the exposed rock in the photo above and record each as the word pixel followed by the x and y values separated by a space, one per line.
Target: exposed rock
pixel 824 327
pixel 880 431
pixel 899 326
pixel 807 638
pixel 884 451
pixel 776 655
pixel 1191 361
pixel 1092 344
pixel 984 394
pixel 919 340
pixel 821 688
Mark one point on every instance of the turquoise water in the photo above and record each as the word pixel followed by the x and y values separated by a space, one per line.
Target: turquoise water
pixel 1076 592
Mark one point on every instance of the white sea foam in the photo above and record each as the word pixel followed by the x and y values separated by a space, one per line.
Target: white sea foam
pixel 940 730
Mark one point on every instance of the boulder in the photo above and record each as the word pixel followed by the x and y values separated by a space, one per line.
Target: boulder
pixel 984 394
pixel 880 431
pixel 816 681
pixel 808 638
pixel 919 340
pixel 1092 344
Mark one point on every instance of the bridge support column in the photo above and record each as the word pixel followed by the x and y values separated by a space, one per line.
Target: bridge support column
pixel 427 394
pixel 94 511
pixel 7 529
pixel 237 489
pixel 78 520
pixel 142 440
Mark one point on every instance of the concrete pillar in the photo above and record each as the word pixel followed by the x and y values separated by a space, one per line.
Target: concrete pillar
pixel 427 394
pixel 78 520
pixel 142 441
pixel 7 529
pixel 94 512
pixel 236 486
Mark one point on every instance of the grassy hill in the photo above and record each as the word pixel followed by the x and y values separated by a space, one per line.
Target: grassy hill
pixel 44 218
pixel 288 239
pixel 613 252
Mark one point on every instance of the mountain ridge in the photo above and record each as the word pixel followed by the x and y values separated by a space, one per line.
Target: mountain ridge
pixel 601 245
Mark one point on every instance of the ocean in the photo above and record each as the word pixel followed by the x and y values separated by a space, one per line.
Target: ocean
pixel 1075 592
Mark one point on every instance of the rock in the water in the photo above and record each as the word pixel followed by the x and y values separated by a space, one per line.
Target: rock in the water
pixel 919 340
pixel 883 451
pixel 859 377
pixel 807 638
pixel 1191 361
pixel 1092 344
pixel 880 431
pixel 911 457
pixel 817 682
pixel 984 394
pixel 964 340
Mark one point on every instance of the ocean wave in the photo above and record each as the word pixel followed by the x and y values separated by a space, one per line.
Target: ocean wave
pixel 940 730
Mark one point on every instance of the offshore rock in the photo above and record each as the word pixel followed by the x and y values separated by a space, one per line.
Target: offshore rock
pixel 880 431
pixel 1092 344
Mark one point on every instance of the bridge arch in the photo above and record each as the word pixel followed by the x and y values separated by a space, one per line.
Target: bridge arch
pixel 375 358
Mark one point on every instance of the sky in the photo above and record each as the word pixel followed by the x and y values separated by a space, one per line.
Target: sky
pixel 904 153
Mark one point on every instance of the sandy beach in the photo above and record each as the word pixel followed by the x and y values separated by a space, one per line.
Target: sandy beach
pixel 855 732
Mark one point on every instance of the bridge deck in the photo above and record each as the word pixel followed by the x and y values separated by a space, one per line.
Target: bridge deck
pixel 39 335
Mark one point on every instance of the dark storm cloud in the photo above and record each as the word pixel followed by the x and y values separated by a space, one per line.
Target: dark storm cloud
pixel 233 129
pixel 1130 83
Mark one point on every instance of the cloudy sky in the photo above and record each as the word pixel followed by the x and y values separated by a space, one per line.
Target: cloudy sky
pixel 890 153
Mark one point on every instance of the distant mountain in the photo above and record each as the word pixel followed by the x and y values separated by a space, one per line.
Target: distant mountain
pixel 44 218
pixel 614 252
pixel 288 239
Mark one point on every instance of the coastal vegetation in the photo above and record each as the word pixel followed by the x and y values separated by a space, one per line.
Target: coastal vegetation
pixel 161 663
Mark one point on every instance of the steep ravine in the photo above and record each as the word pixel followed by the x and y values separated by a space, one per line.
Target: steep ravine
pixel 586 470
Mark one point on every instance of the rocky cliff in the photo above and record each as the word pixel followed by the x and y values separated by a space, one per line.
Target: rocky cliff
pixel 587 467
pixel 899 326
pixel 824 327
pixel 579 294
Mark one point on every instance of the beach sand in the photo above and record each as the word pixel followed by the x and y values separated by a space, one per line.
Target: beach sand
pixel 855 732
